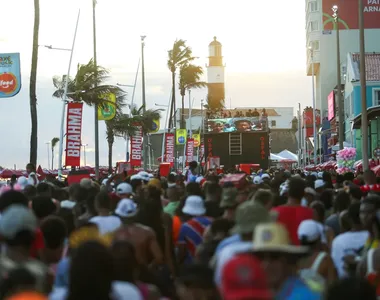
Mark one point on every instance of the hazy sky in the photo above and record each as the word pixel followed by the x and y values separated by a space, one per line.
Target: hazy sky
pixel 263 48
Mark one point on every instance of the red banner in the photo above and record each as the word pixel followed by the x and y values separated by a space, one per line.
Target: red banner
pixel 73 134
pixel 189 151
pixel 136 147
pixel 169 148
pixel 202 154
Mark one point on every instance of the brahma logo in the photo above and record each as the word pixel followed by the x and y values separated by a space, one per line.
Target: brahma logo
pixel 8 83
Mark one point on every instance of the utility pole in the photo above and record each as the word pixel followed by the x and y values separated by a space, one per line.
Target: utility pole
pixel 363 87
pixel 338 81
pixel 95 106
pixel 145 138
pixel 300 152
pixel 314 106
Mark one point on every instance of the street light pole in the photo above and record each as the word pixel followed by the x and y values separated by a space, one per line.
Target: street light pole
pixel 314 104
pixel 48 152
pixel 84 154
pixel 145 140
pixel 363 90
pixel 64 101
pixel 95 106
pixel 339 99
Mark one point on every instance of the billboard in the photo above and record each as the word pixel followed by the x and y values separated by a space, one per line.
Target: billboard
pixel 238 124
pixel 73 133
pixel 10 74
pixel 349 14
pixel 331 106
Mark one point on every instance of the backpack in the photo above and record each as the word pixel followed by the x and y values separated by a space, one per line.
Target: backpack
pixel 311 277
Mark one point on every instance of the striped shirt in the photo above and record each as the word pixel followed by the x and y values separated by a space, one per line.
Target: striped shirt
pixel 191 234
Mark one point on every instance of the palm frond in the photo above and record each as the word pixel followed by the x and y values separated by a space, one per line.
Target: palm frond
pixel 122 125
pixel 54 142
pixel 189 77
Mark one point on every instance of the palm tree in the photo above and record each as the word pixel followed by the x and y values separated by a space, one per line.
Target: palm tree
pixel 189 78
pixel 179 55
pixel 32 86
pixel 123 125
pixel 54 142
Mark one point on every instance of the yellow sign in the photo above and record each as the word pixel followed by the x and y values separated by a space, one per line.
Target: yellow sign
pixel 181 137
pixel 155 126
pixel 197 140
pixel 108 111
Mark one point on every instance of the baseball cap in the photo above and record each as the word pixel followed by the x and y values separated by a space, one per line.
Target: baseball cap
pixel 15 219
pixel 248 215
pixel 126 208
pixel 229 197
pixel 244 278
pixel 144 175
pixel 124 188
pixel 265 176
pixel 136 177
pixel 319 183
pixel 257 180
pixel 309 231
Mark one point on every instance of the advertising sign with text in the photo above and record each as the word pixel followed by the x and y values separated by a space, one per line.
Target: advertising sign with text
pixel 73 134
pixel 136 147
pixel 189 151
pixel 331 106
pixel 169 148
pixel 10 74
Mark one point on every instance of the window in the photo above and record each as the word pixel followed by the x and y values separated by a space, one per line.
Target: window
pixel 313 26
pixel 314 45
pixel 273 123
pixel 313 6
pixel 376 97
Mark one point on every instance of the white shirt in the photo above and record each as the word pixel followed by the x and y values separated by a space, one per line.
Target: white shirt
pixel 120 291
pixel 225 255
pixel 31 180
pixel 348 243
pixel 106 224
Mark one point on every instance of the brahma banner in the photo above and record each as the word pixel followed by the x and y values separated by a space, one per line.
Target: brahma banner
pixel 73 133
pixel 189 151
pixel 169 148
pixel 136 147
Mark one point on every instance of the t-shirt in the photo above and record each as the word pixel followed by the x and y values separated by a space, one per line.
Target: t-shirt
pixel 348 243
pixel 38 244
pixel 191 234
pixel 106 224
pixel 235 238
pixel 294 289
pixel 291 217
pixel 171 208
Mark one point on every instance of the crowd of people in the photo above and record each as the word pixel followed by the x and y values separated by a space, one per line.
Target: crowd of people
pixel 277 235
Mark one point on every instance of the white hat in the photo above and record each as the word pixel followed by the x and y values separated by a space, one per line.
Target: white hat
pixel 22 181
pixel 104 181
pixel 320 175
pixel 257 180
pixel 309 231
pixel 319 183
pixel 124 188
pixel 194 206
pixel 136 177
pixel 126 208
pixel 144 175
pixel 265 175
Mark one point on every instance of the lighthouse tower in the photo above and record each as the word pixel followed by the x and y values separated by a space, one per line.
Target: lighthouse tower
pixel 215 74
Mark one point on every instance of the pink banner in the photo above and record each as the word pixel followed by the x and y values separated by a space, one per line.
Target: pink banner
pixel 136 147
pixel 169 148
pixel 73 133
pixel 189 151
pixel 331 106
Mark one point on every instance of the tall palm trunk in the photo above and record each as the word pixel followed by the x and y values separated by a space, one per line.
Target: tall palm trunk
pixel 32 86
pixel 110 141
pixel 172 105
pixel 52 158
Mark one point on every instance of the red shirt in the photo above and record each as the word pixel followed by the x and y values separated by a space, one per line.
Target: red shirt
pixel 291 217
pixel 38 244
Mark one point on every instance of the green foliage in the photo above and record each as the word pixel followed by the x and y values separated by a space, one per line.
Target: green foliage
pixel 179 55
pixel 189 78
pixel 54 142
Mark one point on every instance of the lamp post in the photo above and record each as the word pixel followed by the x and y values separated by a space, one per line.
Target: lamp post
pixel 363 89
pixel 64 97
pixel 84 154
pixel 145 140
pixel 163 158
pixel 338 80
pixel 48 154
pixel 314 113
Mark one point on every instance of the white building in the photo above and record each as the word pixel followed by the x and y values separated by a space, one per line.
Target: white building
pixel 321 36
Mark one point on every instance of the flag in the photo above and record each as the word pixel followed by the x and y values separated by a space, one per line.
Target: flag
pixel 197 140
pixel 107 111
pixel 181 136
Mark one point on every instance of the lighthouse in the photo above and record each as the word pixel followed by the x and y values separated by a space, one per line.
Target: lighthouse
pixel 215 74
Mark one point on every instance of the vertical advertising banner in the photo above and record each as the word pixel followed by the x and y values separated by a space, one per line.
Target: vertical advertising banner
pixel 197 140
pixel 181 135
pixel 73 134
pixel 10 74
pixel 189 151
pixel 331 106
pixel 136 147
pixel 169 148
pixel 202 154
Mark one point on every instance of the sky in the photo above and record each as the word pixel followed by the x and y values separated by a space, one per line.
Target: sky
pixel 263 47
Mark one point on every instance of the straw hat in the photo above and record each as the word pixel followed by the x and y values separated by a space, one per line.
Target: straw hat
pixel 273 237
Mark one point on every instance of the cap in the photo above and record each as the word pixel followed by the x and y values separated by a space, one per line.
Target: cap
pixel 144 175
pixel 194 206
pixel 22 181
pixel 126 208
pixel 15 219
pixel 257 180
pixel 320 175
pixel 229 197
pixel 136 177
pixel 319 183
pixel 248 215
pixel 309 231
pixel 124 188
pixel 244 278
pixel 265 176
